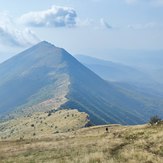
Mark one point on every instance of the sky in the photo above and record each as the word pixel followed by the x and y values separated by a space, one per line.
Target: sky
pixel 91 27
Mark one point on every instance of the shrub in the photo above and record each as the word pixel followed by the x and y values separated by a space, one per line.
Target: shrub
pixel 154 120
pixel 56 132
pixel 32 125
pixel 49 114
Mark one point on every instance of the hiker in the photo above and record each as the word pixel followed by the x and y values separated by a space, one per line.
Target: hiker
pixel 106 129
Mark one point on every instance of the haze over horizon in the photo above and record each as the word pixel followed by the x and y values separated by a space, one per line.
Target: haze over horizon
pixel 90 27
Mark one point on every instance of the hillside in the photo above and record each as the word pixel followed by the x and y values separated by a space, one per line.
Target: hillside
pixel 42 124
pixel 46 78
pixel 121 144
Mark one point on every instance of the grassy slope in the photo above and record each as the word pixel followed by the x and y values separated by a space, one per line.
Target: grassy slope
pixel 42 124
pixel 129 144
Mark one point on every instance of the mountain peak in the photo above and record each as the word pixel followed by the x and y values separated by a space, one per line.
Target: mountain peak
pixel 45 78
pixel 45 43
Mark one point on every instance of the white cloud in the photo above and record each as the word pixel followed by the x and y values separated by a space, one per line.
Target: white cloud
pixel 10 34
pixel 56 16
pixel 85 22
pixel 105 24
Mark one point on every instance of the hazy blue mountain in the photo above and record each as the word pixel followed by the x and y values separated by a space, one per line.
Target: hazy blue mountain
pixel 148 61
pixel 113 71
pixel 40 77
pixel 135 57
pixel 125 75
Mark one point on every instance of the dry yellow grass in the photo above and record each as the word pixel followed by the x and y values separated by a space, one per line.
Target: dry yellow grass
pixel 42 124
pixel 122 144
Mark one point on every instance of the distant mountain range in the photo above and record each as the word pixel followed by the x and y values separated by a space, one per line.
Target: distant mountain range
pixel 113 71
pixel 47 78
pixel 141 76
pixel 148 61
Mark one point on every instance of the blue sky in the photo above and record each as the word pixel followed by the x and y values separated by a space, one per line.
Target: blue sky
pixel 91 27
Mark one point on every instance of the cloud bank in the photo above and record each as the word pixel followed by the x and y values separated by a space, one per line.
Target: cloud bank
pixel 11 35
pixel 56 16
pixel 15 31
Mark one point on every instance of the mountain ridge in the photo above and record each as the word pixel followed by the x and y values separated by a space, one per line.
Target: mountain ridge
pixel 47 78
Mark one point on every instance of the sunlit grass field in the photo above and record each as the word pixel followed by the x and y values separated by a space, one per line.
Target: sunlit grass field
pixel 121 144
